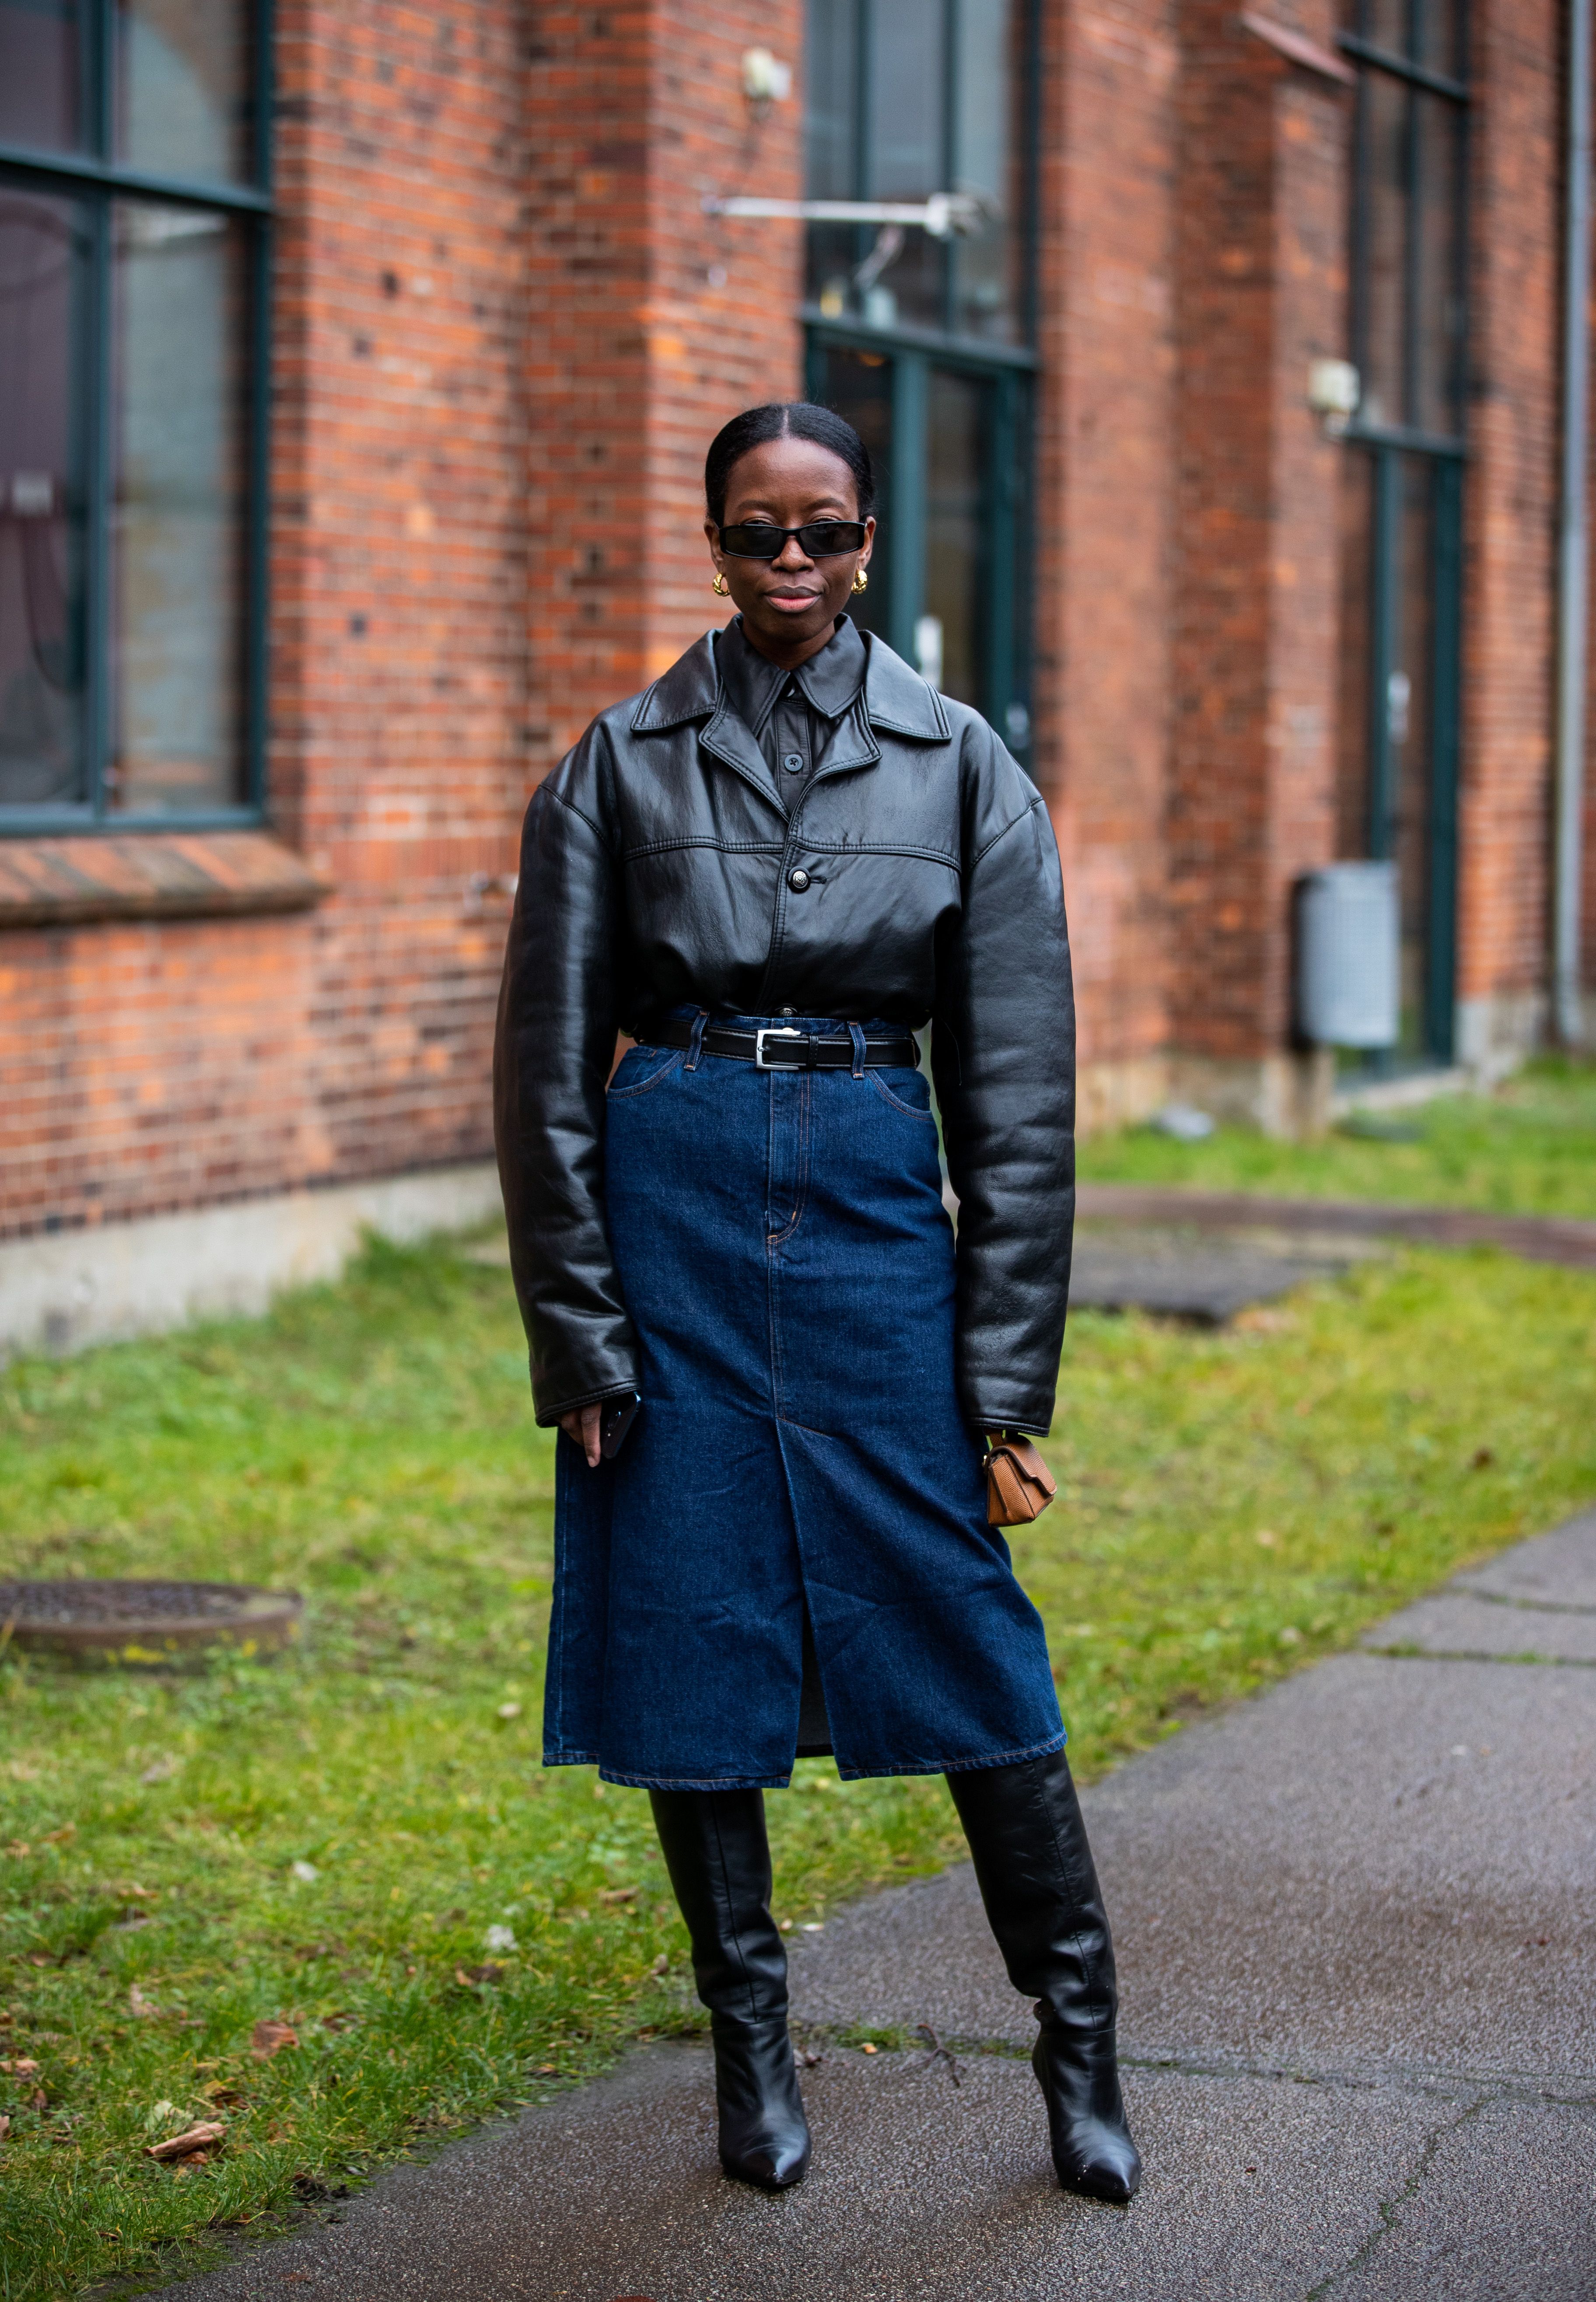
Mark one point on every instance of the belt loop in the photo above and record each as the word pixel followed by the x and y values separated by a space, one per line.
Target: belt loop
pixel 856 1033
pixel 695 1045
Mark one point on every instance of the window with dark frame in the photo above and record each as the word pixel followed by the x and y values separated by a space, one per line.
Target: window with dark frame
pixel 1402 499
pixel 924 343
pixel 134 204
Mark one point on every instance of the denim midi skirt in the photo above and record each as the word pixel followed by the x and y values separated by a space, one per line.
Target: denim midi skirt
pixel 788 1264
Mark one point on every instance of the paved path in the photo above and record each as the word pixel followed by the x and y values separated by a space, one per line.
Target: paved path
pixel 1356 1921
pixel 1539 1239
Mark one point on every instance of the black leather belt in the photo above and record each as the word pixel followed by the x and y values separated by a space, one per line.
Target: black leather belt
pixel 782 1047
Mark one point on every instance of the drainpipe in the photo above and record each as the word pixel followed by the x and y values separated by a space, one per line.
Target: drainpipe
pixel 1568 829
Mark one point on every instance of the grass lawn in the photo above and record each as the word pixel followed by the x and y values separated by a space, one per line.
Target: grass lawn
pixel 343 1841
pixel 1530 1149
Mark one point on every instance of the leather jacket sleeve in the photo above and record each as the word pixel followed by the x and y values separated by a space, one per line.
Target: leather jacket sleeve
pixel 1003 1059
pixel 551 1062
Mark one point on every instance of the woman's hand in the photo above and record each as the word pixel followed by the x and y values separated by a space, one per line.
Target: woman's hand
pixel 582 1423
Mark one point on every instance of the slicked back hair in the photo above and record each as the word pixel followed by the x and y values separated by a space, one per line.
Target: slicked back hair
pixel 786 420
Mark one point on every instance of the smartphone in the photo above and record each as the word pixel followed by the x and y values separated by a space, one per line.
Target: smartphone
pixel 615 1423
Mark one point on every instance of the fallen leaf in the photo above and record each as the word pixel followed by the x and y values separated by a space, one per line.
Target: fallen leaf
pixel 21 2066
pixel 872 2050
pixel 40 1958
pixel 202 2137
pixel 161 1769
pixel 617 1893
pixel 271 2038
pixel 1481 1458
pixel 5 2124
pixel 341 2019
pixel 59 1837
pixel 1268 1538
pixel 41 2100
pixel 470 1977
pixel 305 1872
pixel 224 2098
pixel 662 1965
pixel 140 2005
pixel 19 1849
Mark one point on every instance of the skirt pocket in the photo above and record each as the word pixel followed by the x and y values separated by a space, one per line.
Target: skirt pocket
pixel 916 1085
pixel 642 1068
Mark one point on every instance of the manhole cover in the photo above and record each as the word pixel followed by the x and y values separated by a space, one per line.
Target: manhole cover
pixel 145 1622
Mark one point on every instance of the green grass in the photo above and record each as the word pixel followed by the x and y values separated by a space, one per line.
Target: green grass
pixel 1231 1505
pixel 1529 1149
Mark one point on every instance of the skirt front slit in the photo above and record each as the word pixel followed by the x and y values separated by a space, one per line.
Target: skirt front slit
pixel 788 1264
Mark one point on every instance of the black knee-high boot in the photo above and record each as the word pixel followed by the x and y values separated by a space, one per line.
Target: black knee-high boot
pixel 720 1862
pixel 1035 1871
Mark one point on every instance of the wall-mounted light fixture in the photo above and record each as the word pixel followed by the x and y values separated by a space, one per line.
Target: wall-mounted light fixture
pixel 766 80
pixel 1334 390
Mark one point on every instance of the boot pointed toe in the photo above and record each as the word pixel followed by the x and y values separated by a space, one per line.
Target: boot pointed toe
pixel 769 2166
pixel 1099 2164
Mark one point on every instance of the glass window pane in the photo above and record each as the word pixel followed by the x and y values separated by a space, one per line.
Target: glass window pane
pixel 41 73
pixel 1386 221
pixel 950 636
pixel 45 248
pixel 1438 313
pixel 831 99
pixel 989 160
pixel 178 508
pixel 906 155
pixel 183 88
pixel 858 386
pixel 1427 32
pixel 907 115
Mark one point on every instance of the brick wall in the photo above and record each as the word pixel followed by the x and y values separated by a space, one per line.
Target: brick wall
pixel 166 1064
pixel 650 325
pixel 506 331
pixel 1262 208
pixel 1103 498
pixel 1511 523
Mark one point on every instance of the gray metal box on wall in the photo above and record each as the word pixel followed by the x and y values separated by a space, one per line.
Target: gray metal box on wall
pixel 1348 955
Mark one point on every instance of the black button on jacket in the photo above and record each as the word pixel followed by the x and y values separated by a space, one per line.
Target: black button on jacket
pixel 657 865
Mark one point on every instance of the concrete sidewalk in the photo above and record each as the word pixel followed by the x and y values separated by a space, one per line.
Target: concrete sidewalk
pixel 1356 1928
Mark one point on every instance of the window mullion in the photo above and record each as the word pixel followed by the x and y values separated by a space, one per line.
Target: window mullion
pixel 1412 257
pixel 101 25
pixel 906 540
pixel 98 453
pixel 950 151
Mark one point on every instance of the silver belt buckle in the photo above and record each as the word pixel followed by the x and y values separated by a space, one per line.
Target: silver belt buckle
pixel 774 1031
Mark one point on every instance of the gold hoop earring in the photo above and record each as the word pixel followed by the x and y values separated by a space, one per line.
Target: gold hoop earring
pixel 862 582
pixel 720 587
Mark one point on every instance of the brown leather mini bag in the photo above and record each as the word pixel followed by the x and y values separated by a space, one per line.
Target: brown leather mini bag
pixel 1020 1486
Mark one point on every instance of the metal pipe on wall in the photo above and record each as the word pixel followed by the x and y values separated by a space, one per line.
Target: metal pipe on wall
pixel 1573 556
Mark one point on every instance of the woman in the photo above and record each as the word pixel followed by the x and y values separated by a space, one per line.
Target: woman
pixel 769 871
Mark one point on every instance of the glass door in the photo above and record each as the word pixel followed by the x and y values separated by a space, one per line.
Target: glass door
pixel 1402 499
pixel 946 575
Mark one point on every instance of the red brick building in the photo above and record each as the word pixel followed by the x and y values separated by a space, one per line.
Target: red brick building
pixel 356 368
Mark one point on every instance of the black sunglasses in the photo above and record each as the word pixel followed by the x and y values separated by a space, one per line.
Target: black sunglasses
pixel 819 539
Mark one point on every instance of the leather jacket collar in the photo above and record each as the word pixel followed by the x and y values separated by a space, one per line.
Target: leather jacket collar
pixel 894 696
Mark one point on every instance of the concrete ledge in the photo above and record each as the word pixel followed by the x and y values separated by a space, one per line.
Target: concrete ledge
pixel 151 875
pixel 69 1290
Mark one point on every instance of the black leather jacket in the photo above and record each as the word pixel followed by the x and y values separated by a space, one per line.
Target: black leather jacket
pixel 656 867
